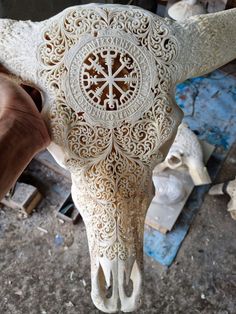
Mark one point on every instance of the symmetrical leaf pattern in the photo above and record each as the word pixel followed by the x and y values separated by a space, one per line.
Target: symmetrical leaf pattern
pixel 111 69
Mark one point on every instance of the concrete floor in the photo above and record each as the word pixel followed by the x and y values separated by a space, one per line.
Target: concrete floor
pixel 38 276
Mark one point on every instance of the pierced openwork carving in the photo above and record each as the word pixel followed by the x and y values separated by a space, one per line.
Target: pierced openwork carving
pixel 113 98
pixel 107 75
pixel 109 78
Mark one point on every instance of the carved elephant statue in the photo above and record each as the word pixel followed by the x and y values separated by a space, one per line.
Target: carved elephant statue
pixel 107 76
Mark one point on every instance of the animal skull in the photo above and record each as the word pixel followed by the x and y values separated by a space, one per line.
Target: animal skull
pixel 107 75
pixel 186 152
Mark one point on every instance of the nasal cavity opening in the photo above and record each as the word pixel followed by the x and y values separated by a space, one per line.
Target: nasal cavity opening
pixel 128 288
pixel 105 287
pixel 35 95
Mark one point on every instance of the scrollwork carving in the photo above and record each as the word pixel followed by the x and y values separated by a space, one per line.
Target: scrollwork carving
pixel 112 113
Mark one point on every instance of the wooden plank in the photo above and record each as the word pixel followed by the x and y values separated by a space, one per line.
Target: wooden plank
pixel 26 197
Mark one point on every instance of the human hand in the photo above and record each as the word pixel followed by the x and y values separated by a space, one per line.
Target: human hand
pixel 19 110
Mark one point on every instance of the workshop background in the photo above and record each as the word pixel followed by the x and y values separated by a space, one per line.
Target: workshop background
pixel 44 258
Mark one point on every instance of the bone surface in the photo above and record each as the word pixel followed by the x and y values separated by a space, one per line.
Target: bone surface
pixel 107 75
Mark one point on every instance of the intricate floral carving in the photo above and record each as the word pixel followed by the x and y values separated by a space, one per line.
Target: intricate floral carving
pixel 109 78
pixel 111 69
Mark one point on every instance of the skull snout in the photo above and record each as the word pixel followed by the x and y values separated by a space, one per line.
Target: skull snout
pixel 117 285
pixel 115 233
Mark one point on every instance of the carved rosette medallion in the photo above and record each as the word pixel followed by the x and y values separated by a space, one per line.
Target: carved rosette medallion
pixel 110 78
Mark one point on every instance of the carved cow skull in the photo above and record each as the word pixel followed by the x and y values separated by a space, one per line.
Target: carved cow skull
pixel 107 75
pixel 186 152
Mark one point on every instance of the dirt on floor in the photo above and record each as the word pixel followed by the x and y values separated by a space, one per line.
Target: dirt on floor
pixel 47 270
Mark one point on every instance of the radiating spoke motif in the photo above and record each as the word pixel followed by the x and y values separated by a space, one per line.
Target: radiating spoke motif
pixel 110 77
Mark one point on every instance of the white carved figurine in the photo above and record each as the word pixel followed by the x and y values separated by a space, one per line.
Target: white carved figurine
pixel 185 8
pixel 107 75
pixel 186 153
pixel 228 188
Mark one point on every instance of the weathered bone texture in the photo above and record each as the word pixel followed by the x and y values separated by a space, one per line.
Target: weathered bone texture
pixel 186 152
pixel 107 74
pixel 229 188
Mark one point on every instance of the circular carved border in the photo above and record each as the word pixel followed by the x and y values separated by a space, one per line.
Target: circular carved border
pixel 93 80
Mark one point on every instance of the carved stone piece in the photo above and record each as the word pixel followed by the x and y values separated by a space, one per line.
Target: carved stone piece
pixel 174 179
pixel 186 152
pixel 107 75
pixel 228 188
pixel 169 189
pixel 186 8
